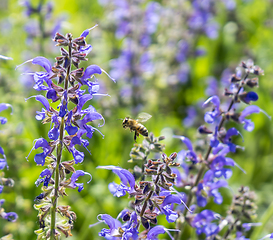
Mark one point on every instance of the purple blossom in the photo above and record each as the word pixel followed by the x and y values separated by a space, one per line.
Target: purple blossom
pixel 214 140
pixel 203 223
pixel 41 77
pixel 71 130
pixel 155 231
pixel 126 178
pixel 90 114
pixel 211 116
pixel 248 97
pixel 44 177
pixel 190 154
pixel 40 157
pixel 209 188
pixel 248 124
pixel 74 179
pixel 167 207
pixel 218 164
pixel 10 216
pixel 129 228
pixel 112 223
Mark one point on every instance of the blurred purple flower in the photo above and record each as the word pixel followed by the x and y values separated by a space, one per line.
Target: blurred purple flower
pixel 203 223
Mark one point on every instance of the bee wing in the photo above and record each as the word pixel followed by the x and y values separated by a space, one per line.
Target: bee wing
pixel 143 117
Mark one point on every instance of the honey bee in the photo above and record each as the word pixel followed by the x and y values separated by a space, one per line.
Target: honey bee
pixel 135 125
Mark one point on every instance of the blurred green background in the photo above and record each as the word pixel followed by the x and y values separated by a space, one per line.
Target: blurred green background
pixel 245 32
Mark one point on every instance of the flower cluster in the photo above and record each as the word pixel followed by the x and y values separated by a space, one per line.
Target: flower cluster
pixel 70 123
pixel 135 23
pixel 213 168
pixel 5 182
pixel 180 189
pixel 40 27
pixel 182 24
pixel 153 195
pixel 37 29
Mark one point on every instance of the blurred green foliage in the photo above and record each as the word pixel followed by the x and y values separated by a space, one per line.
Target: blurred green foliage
pixel 246 34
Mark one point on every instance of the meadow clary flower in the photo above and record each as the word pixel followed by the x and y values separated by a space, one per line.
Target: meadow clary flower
pixel 74 179
pixel 128 230
pixel 10 216
pixel 211 116
pixel 126 178
pixel 248 124
pixel 209 188
pixel 159 229
pixel 203 223
pixel 190 154
pixel 44 177
pixel 47 149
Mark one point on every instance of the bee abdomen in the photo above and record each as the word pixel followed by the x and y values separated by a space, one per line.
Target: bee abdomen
pixel 143 130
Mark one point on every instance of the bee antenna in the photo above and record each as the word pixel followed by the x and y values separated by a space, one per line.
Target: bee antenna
pixel 119 118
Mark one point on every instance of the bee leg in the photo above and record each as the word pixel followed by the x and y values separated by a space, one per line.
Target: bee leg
pixel 135 136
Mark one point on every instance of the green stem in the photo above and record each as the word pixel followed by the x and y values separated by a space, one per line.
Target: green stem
pixel 59 157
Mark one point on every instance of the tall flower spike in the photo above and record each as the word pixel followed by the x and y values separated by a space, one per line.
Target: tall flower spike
pixel 214 166
pixel 70 123
pixel 8 182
